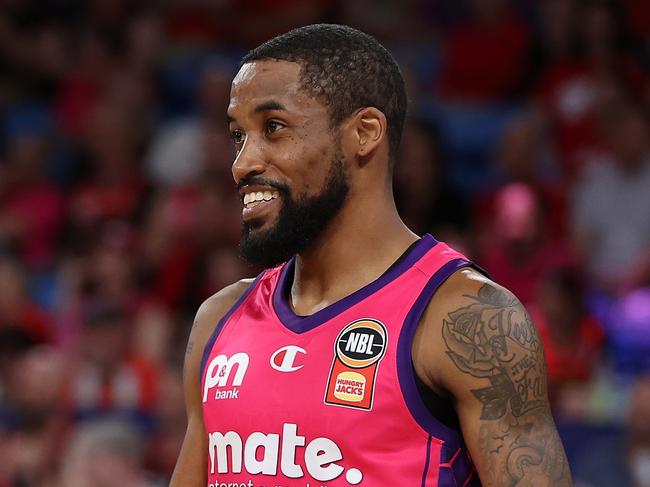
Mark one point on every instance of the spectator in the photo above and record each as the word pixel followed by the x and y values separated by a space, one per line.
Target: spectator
pixel 199 24
pixel 145 42
pixel 95 62
pixel 265 18
pixel 522 156
pixel 153 333
pixel 115 189
pixel 515 249
pixel 105 454
pixel 33 397
pixel 176 238
pixel 31 208
pixel 426 200
pixel 385 20
pixel 169 245
pixel 17 310
pixel 573 338
pixel 621 462
pixel 223 265
pixel 485 58
pixel 637 17
pixel 164 445
pixel 628 323
pixel 14 344
pixel 106 270
pixel 612 204
pixel 584 78
pixel 109 378
pixel 187 138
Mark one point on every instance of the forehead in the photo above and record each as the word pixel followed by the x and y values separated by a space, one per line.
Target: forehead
pixel 260 82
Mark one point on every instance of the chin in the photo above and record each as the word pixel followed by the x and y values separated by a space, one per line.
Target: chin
pixel 259 226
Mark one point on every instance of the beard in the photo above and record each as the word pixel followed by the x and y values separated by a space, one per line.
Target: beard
pixel 300 222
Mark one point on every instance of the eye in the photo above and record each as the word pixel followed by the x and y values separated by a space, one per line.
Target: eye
pixel 273 126
pixel 237 136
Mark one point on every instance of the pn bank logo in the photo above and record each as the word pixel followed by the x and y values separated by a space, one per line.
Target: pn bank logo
pixel 218 376
pixel 284 359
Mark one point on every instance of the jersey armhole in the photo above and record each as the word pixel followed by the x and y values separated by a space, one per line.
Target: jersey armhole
pixel 222 322
pixel 436 421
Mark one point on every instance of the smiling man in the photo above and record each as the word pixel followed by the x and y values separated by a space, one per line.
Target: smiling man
pixel 364 354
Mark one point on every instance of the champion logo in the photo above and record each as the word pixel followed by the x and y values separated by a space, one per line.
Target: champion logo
pixel 284 359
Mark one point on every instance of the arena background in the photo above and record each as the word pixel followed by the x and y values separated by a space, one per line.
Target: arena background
pixel 527 146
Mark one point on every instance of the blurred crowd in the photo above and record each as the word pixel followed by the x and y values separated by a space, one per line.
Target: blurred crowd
pixel 527 147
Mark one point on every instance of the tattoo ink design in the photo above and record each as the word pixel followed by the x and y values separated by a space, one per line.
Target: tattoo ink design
pixel 190 342
pixel 494 338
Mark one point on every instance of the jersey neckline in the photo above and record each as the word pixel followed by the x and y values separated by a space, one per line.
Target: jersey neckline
pixel 302 324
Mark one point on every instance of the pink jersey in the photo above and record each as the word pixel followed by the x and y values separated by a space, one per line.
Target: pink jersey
pixel 329 399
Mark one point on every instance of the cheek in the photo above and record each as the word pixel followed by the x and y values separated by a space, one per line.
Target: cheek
pixel 316 140
pixel 312 165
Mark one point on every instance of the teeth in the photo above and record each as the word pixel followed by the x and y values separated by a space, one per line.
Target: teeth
pixel 260 196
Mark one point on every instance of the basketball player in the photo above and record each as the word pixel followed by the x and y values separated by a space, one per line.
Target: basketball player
pixel 365 355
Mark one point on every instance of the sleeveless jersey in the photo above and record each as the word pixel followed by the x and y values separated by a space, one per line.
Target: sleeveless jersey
pixel 329 399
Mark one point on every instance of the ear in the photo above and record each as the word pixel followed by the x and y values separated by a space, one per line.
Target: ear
pixel 369 129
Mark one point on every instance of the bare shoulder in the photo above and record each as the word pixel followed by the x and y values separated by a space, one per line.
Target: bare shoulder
pixel 212 310
pixel 220 302
pixel 477 342
pixel 205 321
pixel 483 327
pixel 191 465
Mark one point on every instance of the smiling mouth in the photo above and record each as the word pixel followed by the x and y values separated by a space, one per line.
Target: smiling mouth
pixel 252 199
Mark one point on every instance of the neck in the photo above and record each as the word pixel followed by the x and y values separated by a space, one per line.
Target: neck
pixel 353 251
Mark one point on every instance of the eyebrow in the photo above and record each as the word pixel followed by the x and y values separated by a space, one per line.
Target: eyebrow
pixel 268 105
pixel 262 107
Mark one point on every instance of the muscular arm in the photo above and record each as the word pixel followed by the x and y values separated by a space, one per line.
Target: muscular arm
pixel 488 355
pixel 191 466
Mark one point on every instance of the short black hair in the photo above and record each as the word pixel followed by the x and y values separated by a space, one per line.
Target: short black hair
pixel 345 69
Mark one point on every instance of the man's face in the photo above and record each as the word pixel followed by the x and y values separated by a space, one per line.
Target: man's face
pixel 289 165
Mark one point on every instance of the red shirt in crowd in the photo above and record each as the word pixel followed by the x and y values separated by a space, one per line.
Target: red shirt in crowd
pixel 485 63
pixel 575 360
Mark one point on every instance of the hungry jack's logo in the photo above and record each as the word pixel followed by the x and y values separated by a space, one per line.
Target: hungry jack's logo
pixel 358 349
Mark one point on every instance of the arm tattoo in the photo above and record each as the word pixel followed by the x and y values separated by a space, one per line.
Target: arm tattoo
pixel 190 342
pixel 494 338
pixel 521 457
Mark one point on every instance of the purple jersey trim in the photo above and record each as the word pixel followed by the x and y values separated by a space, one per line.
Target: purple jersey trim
pixel 426 462
pixel 457 470
pixel 406 375
pixel 446 477
pixel 301 324
pixel 222 322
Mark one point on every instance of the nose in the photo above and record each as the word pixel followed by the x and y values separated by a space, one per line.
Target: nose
pixel 249 161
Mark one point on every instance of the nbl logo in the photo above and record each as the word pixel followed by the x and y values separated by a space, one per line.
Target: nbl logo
pixel 359 347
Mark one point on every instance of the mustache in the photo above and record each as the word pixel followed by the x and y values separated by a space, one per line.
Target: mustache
pixel 255 180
